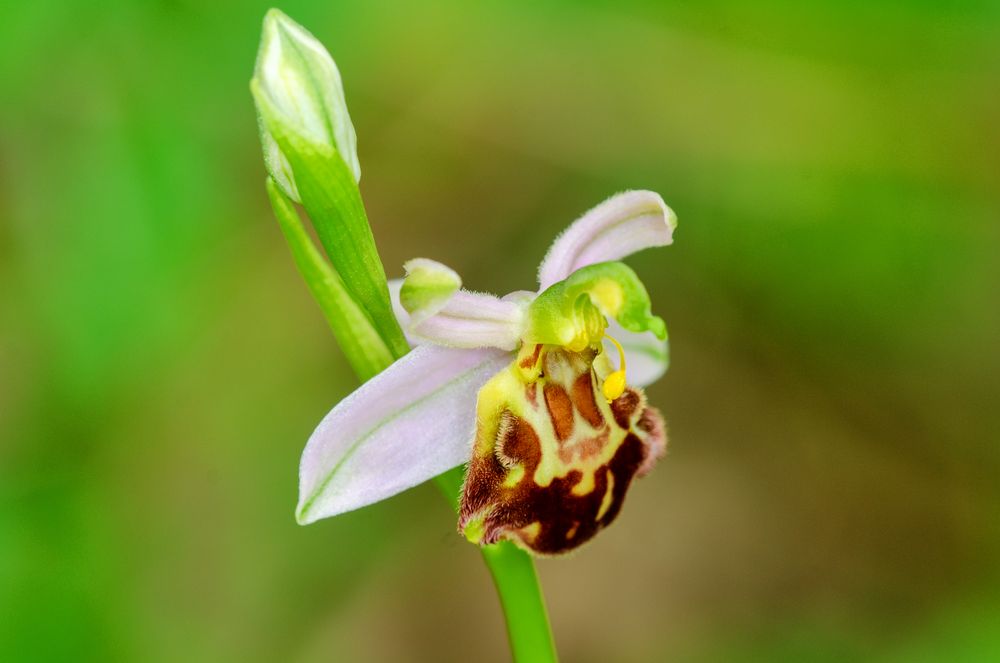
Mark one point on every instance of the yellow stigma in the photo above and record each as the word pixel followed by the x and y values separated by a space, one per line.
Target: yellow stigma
pixel 614 384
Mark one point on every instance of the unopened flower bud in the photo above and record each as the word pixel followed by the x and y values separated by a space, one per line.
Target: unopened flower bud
pixel 298 91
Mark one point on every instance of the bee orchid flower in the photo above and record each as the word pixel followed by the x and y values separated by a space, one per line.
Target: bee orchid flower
pixel 529 389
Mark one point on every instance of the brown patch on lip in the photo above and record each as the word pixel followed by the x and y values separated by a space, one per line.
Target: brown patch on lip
pixel 583 398
pixel 625 406
pixel 560 410
pixel 565 520
pixel 531 359
pixel 483 487
pixel 586 448
pixel 531 393
pixel 653 431
pixel 519 442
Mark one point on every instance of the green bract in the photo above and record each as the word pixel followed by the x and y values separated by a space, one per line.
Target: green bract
pixel 572 313
pixel 363 346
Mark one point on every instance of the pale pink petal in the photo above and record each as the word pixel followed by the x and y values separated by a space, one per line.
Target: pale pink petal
pixel 474 320
pixel 620 226
pixel 406 425
pixel 395 285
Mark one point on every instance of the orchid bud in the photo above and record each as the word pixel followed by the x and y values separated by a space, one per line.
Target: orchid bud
pixel 297 88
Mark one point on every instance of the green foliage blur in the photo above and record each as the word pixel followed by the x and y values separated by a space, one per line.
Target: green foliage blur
pixel 831 491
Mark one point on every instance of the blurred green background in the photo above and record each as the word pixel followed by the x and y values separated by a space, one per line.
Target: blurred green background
pixel 832 490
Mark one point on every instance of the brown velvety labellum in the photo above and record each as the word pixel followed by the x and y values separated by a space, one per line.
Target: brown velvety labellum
pixel 559 466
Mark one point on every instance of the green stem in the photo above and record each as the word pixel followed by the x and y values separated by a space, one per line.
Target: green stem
pixel 522 602
pixel 512 569
pixel 517 585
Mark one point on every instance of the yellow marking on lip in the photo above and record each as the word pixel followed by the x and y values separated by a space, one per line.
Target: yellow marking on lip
pixel 584 486
pixel 549 467
pixel 514 476
pixel 530 532
pixel 475 529
pixel 608 496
